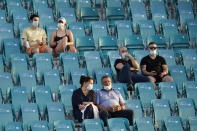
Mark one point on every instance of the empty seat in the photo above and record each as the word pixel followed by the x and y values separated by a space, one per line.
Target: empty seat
pixel 118 124
pixel 6 115
pixel 192 29
pixel 134 42
pixel 76 74
pixel 89 14
pixel 100 72
pixel 39 4
pixel 93 61
pixel 92 125
pixel 13 126
pixel 1 63
pixel 68 13
pixel 42 62
pixel 168 90
pixel 159 39
pixel 52 79
pixel 63 125
pixel 145 123
pixel 18 96
pixel 139 54
pixel 1 99
pixel 77 29
pixel 114 13
pixel 50 28
pixel 179 40
pixel 6 83
pixel 191 89
pixel 10 4
pixel 145 91
pixel 42 97
pixel 136 106
pixel 113 3
pixel 80 4
pixel 173 123
pixel 2 17
pixel 193 123
pixel 186 108
pixel 39 126
pixel 168 55
pixel 161 111
pixel 61 4
pixel 29 114
pixel 55 112
pixel 122 88
pixel 99 29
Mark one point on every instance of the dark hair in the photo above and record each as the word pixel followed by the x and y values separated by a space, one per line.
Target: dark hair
pixel 151 43
pixel 33 15
pixel 84 78
pixel 105 76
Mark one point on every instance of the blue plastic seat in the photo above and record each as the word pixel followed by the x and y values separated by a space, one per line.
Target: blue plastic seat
pixel 6 84
pixel 61 4
pixel 186 108
pixel 99 29
pixel 55 112
pixel 122 88
pixel 50 28
pixel 180 2
pixel 113 3
pixel 193 123
pixel 18 96
pixel 114 13
pixel 89 14
pixel 77 29
pixel 42 62
pixel 159 39
pixel 39 4
pixel 92 125
pixel 29 113
pixel 13 126
pixel 100 72
pixel 76 74
pixel 145 91
pixel 2 63
pixel 134 42
pixel 136 106
pixel 52 79
pixel 64 125
pixel 139 54
pixel 80 4
pixel 192 29
pixel 145 124
pixel 134 2
pixel 2 17
pixel 93 61
pixel 190 87
pixel 42 97
pixel 168 90
pixel 169 56
pixel 118 124
pixel 1 98
pixel 39 126
pixel 173 123
pixel 10 4
pixel 6 115
pixel 179 41
pixel 69 14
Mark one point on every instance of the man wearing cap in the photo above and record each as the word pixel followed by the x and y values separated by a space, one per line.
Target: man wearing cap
pixel 62 39
pixel 155 66
pixel 34 38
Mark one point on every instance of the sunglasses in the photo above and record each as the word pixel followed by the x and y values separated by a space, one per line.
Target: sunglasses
pixel 153 48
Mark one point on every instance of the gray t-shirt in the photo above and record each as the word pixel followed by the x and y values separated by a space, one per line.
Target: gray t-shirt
pixel 109 99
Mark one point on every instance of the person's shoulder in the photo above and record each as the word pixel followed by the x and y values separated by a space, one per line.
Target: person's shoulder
pixel 27 29
pixel 145 58
pixel 77 90
pixel 160 57
pixel 116 91
pixel 40 29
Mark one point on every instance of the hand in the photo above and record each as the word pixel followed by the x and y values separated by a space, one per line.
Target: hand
pixel 153 73
pixel 117 108
pixel 119 66
pixel 81 107
pixel 162 74
pixel 85 103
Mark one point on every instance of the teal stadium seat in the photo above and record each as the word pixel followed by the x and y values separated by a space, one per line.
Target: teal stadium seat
pixel 114 13
pixel 77 29
pixel 68 13
pixel 192 29
pixel 179 41
pixel 145 124
pixel 76 75
pixel 50 28
pixel 1 98
pixel 113 3
pixel 52 79
pixel 136 106
pixel 39 126
pixel 3 17
pixel 133 42
pixel 122 88
pixel 92 125
pixel 42 96
pixel 193 123
pixel 2 63
pixel 173 123
pixel 118 124
pixel 61 4
pixel 10 4
pixel 168 90
pixel 93 61
pixel 88 14
pixel 64 125
pixel 100 72
pixel 80 4
pixel 6 115
pixel 14 126
pixel 139 54
pixel 159 39
pixel 29 114
pixel 168 55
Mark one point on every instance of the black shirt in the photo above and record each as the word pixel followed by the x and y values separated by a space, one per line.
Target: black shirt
pixel 153 64
pixel 123 62
pixel 78 98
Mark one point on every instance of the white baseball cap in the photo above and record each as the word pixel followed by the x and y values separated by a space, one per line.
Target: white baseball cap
pixel 62 19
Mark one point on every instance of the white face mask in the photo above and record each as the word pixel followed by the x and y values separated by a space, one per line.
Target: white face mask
pixel 123 55
pixel 90 87
pixel 35 23
pixel 59 25
pixel 153 52
pixel 107 87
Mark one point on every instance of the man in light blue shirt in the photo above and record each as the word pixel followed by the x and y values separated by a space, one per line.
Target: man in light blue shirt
pixel 110 102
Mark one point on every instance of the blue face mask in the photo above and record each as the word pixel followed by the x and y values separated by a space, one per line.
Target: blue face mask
pixel 153 52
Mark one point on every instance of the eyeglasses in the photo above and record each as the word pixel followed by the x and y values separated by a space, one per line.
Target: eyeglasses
pixel 153 48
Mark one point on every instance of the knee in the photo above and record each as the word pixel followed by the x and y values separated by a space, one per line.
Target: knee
pixel 103 114
pixel 151 79
pixel 167 79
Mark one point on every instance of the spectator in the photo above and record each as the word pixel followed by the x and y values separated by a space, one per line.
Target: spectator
pixel 155 66
pixel 83 100
pixel 110 102
pixel 34 38
pixel 62 39
pixel 127 68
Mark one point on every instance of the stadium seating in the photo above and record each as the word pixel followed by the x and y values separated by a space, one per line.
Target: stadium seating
pixel 68 13
pixel 133 42
pixel 169 56
pixel 92 125
pixel 173 123
pixel 118 124
pixel 12 126
pixel 76 74
pixel 39 126
pixel 145 123
pixel 6 115
pixel 192 123
pixel 62 125
pixel 1 63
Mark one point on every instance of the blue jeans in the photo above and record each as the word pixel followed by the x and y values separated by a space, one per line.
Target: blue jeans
pixel 127 76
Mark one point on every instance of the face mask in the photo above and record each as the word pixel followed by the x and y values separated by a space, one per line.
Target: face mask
pixel 89 87
pixel 60 25
pixel 107 87
pixel 123 55
pixel 153 52
pixel 35 23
